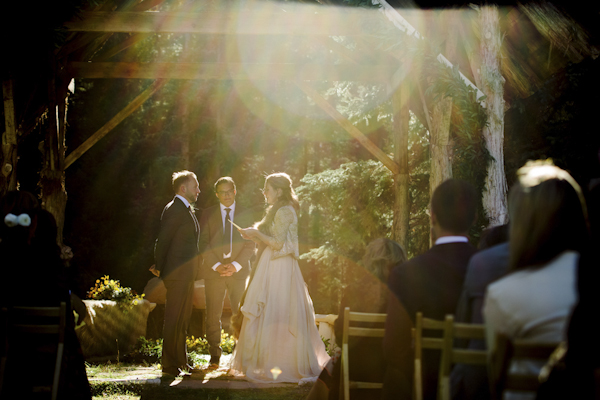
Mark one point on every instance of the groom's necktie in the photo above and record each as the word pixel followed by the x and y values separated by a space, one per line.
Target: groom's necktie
pixel 196 224
pixel 227 233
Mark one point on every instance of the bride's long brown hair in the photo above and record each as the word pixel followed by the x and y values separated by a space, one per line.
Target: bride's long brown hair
pixel 278 180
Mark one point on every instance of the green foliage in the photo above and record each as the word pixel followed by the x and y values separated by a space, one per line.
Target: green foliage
pixel 348 207
pixel 110 289
pixel 329 346
pixel 148 348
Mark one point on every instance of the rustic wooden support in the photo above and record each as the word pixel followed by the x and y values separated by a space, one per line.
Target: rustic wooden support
pixel 402 205
pixel 272 21
pixel 351 129
pixel 494 195
pixel 231 71
pixel 9 139
pixel 52 175
pixel 113 51
pixel 116 120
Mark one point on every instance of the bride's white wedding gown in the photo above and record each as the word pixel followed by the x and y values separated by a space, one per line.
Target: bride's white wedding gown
pixel 279 340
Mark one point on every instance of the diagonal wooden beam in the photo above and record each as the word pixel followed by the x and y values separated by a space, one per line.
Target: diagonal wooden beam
pixel 351 129
pixel 116 120
pixel 111 52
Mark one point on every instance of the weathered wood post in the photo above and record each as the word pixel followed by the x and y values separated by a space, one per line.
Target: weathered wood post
pixel 400 135
pixel 492 85
pixel 52 175
pixel 9 140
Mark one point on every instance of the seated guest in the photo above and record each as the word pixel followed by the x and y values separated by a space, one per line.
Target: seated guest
pixel 486 266
pixel 34 275
pixel 430 283
pixel 548 231
pixel 369 294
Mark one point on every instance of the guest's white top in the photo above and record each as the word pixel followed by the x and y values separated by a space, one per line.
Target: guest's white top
pixel 533 304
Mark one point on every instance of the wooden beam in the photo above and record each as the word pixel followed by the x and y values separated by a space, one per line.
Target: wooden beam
pixel 351 129
pixel 116 120
pixel 235 71
pixel 330 21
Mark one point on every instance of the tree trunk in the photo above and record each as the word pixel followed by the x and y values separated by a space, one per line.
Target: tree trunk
pixel 441 152
pixel 9 141
pixel 492 85
pixel 400 135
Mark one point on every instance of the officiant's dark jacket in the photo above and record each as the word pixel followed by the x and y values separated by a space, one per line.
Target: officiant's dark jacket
pixel 211 240
pixel 176 250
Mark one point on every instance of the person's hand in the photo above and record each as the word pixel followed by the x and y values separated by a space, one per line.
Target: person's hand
pixel 226 269
pixel 231 269
pixel 154 270
pixel 222 270
pixel 249 233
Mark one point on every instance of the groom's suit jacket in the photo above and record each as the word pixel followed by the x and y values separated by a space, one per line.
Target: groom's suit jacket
pixel 176 248
pixel 211 240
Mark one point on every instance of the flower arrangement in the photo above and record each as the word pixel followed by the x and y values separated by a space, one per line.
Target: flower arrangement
pixel 111 289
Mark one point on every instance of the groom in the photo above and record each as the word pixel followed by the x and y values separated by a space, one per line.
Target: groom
pixel 226 260
pixel 176 255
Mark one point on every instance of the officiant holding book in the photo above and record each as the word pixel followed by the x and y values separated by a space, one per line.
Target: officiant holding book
pixel 226 264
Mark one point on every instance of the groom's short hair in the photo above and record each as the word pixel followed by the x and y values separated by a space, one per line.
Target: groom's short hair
pixel 180 178
pixel 224 179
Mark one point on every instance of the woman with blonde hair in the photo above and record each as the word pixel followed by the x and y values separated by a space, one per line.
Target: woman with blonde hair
pixel 548 231
pixel 279 340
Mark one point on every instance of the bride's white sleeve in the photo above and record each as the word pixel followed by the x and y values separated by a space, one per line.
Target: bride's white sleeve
pixel 281 224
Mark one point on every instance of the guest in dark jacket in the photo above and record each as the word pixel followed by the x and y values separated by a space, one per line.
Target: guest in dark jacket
pixel 430 283
pixel 34 275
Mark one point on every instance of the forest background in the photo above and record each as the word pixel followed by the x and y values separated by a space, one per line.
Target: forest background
pixel 246 130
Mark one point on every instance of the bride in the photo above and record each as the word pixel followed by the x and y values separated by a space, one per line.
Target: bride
pixel 279 340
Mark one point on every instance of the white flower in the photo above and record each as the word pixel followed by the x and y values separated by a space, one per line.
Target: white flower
pixel 10 220
pixel 24 220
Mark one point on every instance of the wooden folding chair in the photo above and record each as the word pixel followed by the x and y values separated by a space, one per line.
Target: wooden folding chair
pixel 506 352
pixel 38 323
pixel 452 355
pixel 428 342
pixel 345 383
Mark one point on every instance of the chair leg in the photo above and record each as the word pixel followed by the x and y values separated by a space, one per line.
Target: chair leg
pixel 57 368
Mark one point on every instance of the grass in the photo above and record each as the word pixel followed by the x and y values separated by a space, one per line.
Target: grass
pixel 129 381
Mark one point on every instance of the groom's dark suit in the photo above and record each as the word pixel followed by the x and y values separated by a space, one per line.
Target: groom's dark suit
pixel 176 254
pixel 211 240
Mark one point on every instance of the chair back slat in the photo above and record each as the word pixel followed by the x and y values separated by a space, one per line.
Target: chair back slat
pixel 37 329
pixel 366 332
pixel 39 321
pixel 367 317
pixel 468 331
pixel 377 318
pixel 508 351
pixel 465 356
pixel 429 334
